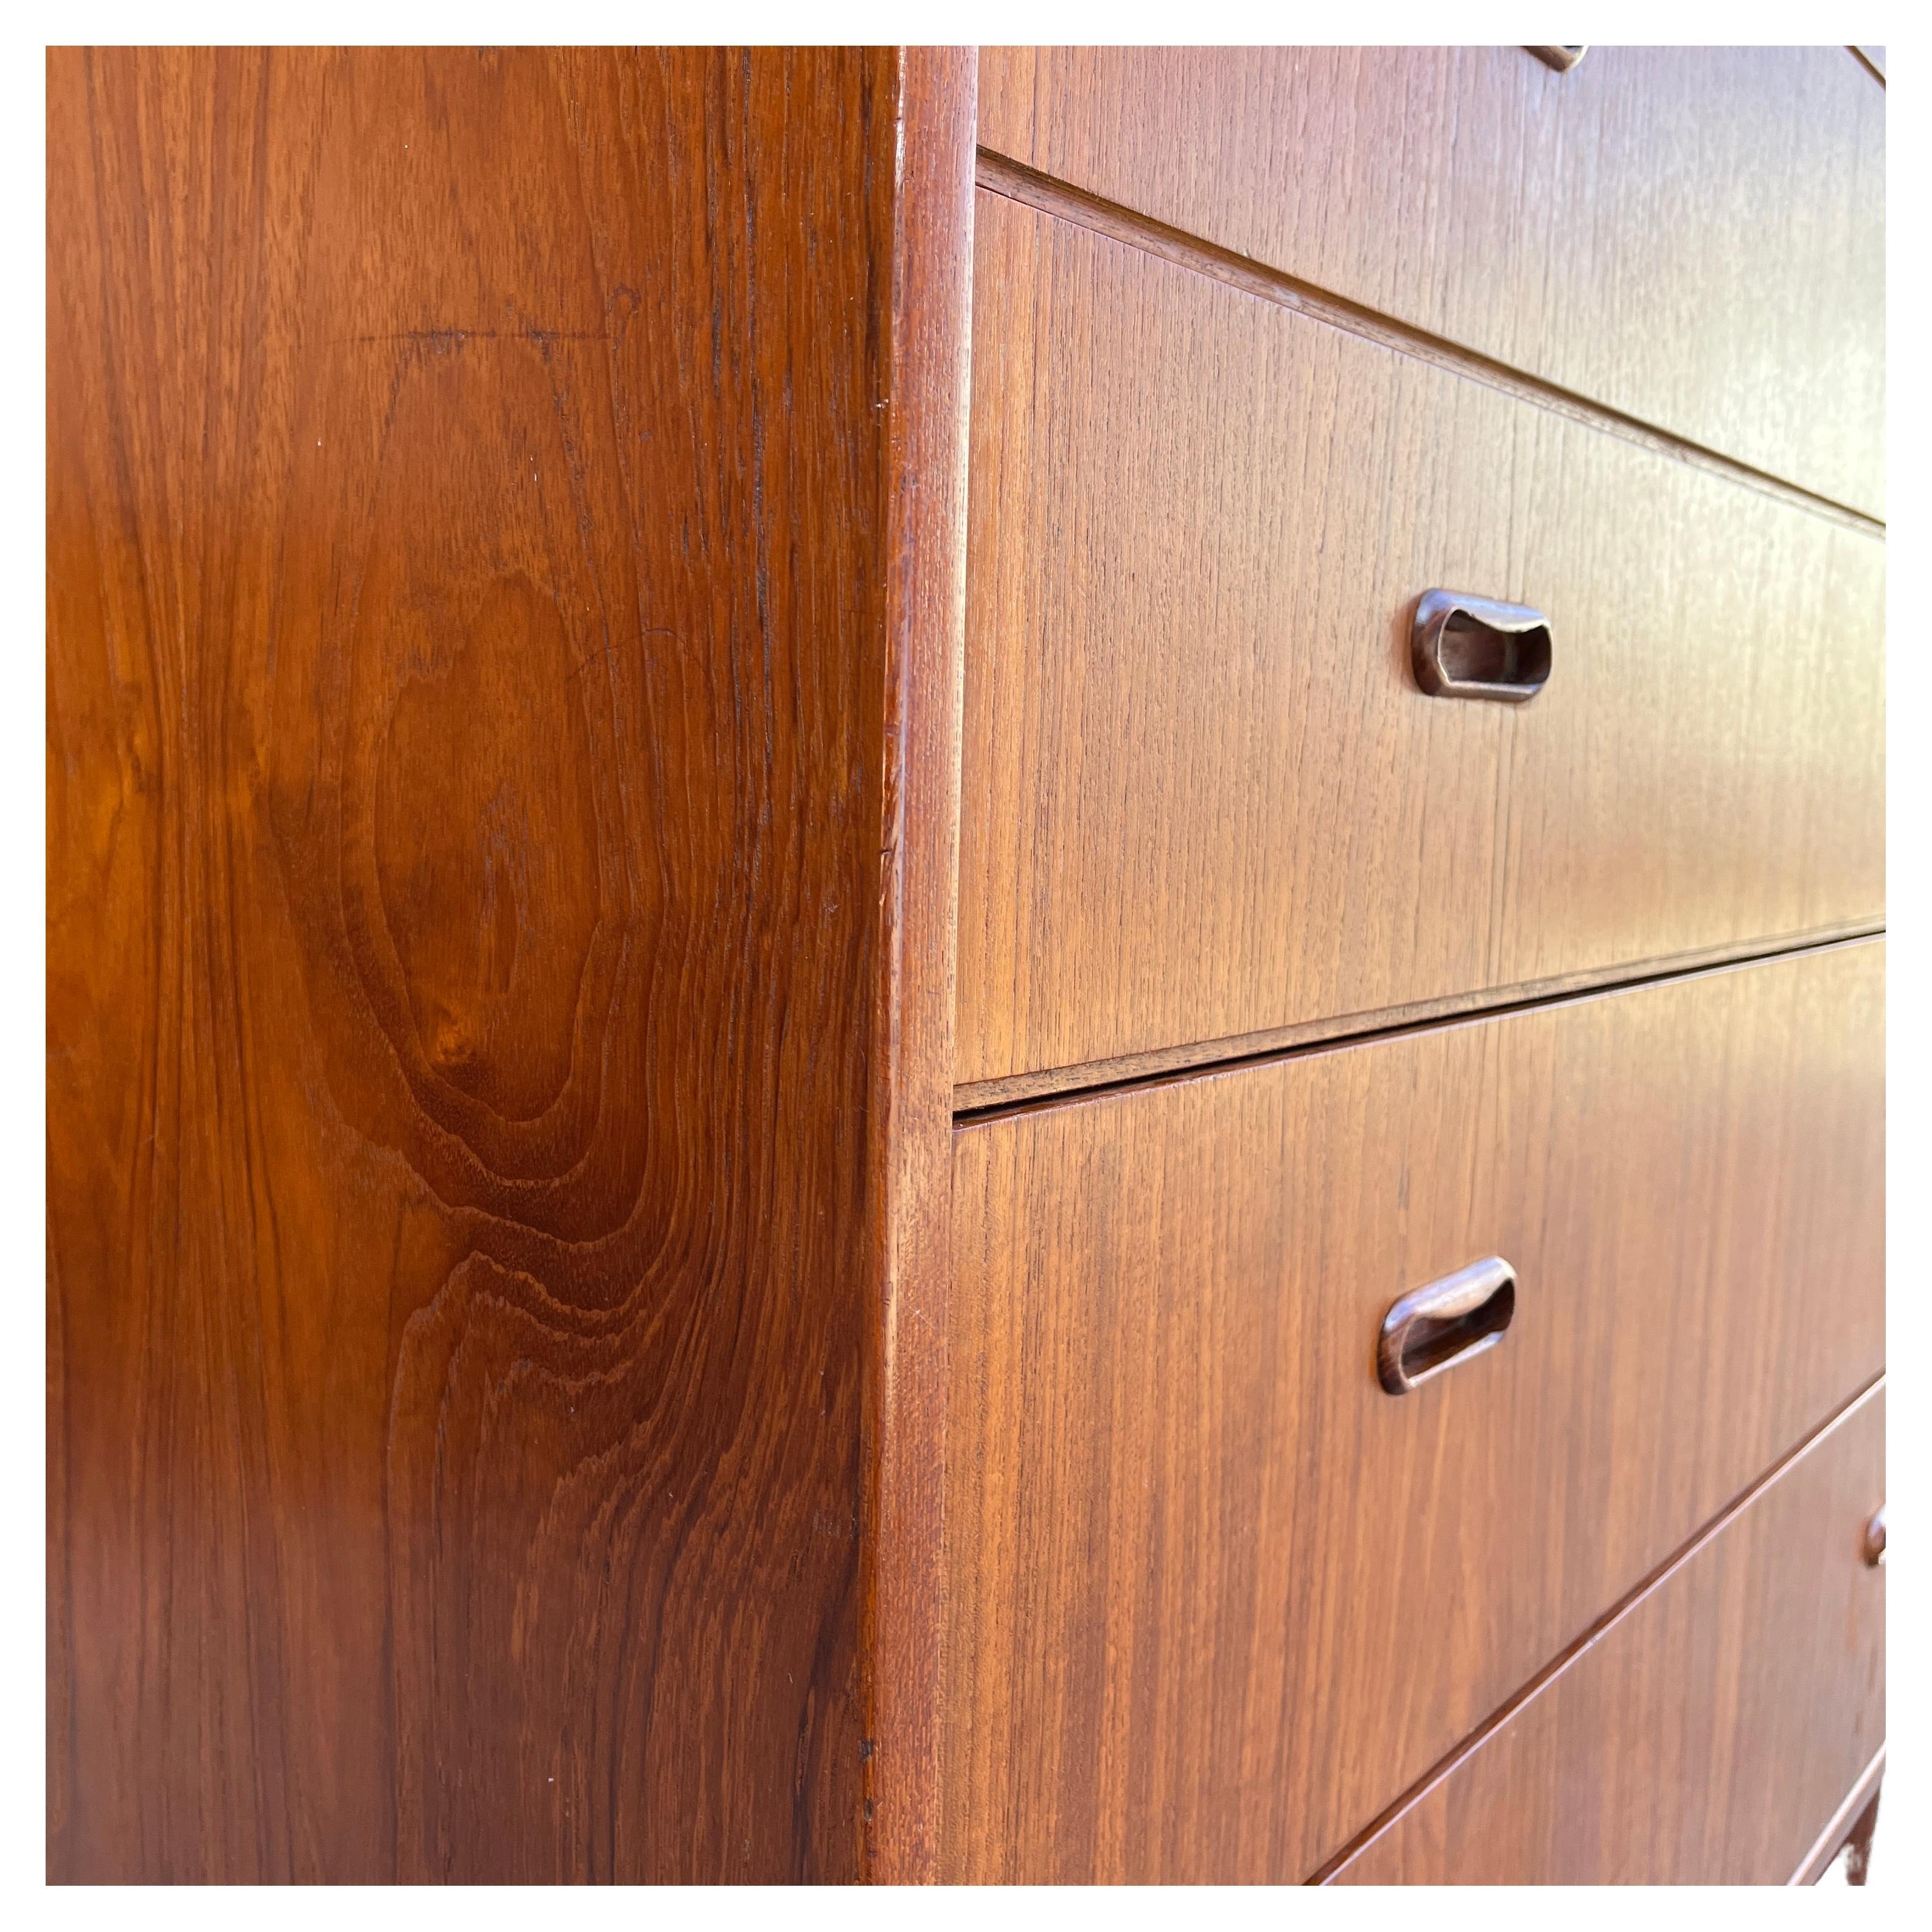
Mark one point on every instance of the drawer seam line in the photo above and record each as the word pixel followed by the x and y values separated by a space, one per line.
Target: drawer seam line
pixel 1831 1841
pixel 1460 1754
pixel 1296 1042
pixel 1000 174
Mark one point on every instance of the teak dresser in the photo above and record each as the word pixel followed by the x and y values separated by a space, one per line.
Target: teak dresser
pixel 965 968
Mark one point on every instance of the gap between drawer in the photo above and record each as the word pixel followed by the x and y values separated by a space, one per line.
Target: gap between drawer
pixel 976 1101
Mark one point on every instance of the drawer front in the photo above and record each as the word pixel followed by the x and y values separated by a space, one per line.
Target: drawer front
pixel 1203 797
pixel 1694 237
pixel 1214 1598
pixel 1710 1734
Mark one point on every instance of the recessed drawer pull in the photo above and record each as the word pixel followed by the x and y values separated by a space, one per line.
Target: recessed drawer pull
pixel 1562 58
pixel 1466 646
pixel 1875 1538
pixel 1452 1320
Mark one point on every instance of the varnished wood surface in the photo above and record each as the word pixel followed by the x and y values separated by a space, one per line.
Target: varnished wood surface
pixel 1709 1734
pixel 1215 1599
pixel 911 1121
pixel 1026 185
pixel 976 1098
pixel 1856 1816
pixel 1202 797
pixel 1692 236
pixel 468 491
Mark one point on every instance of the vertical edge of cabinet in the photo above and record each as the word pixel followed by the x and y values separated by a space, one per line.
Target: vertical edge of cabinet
pixel 910 1138
pixel 469 493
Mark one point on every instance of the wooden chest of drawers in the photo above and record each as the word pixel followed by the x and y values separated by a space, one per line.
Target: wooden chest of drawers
pixel 965 967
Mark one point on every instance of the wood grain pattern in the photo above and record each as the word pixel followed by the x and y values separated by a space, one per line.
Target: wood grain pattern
pixel 1709 1734
pixel 469 502
pixel 1855 1819
pixel 1027 185
pixel 974 1098
pixel 1215 1599
pixel 911 1122
pixel 1692 236
pixel 1201 797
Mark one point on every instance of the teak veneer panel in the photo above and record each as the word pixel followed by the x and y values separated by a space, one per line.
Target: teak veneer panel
pixel 1708 1736
pixel 1694 237
pixel 1215 1600
pixel 481 582
pixel 1201 795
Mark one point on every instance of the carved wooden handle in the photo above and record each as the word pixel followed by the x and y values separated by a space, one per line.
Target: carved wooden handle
pixel 1467 646
pixel 1452 1320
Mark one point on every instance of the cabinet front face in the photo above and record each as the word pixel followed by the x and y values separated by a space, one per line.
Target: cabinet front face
pixel 1204 798
pixel 1215 1598
pixel 1709 1735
